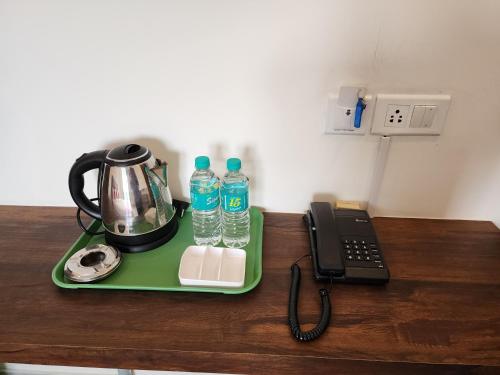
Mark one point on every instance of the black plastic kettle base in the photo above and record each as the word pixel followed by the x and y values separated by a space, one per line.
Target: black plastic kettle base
pixel 143 242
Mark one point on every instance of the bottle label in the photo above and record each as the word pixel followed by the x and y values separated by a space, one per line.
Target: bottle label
pixel 203 199
pixel 234 202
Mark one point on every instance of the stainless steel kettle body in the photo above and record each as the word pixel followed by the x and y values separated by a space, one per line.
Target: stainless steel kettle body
pixel 135 203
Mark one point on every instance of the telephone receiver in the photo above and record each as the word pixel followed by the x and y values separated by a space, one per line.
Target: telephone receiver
pixel 345 249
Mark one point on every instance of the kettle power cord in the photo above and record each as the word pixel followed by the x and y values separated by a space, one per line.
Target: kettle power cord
pixel 82 226
pixel 293 320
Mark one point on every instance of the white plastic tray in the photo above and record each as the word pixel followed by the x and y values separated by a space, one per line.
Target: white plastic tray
pixel 212 266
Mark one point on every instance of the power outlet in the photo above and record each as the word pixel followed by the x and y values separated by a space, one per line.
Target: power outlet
pixel 397 115
pixel 410 114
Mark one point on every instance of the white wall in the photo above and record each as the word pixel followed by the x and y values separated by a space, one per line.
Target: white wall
pixel 250 78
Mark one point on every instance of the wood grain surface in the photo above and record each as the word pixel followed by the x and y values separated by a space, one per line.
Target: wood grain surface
pixel 440 313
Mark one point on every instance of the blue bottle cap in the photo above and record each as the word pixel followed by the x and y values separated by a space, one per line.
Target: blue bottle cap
pixel 202 162
pixel 233 164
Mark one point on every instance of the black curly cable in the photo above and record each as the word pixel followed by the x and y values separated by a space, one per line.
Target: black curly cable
pixel 293 320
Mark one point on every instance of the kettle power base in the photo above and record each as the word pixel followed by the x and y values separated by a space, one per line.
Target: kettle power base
pixel 158 269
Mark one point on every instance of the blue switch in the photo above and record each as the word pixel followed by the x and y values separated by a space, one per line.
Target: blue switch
pixel 360 106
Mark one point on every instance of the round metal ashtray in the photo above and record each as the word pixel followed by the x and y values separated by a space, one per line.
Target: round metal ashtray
pixel 92 263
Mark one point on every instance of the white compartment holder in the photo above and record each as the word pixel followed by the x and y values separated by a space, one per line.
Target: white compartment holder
pixel 212 266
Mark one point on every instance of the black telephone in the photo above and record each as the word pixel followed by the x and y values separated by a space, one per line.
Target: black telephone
pixel 344 248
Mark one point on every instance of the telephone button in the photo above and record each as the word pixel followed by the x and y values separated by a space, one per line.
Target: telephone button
pixel 364 247
pixel 348 252
pixel 359 257
pixel 346 242
pixel 350 257
pixel 347 246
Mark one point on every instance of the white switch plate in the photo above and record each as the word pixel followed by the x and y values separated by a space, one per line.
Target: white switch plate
pixel 349 129
pixel 428 122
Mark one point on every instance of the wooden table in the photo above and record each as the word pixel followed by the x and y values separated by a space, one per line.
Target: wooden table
pixel 440 313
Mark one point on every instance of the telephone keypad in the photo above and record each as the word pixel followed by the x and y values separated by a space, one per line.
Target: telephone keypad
pixel 362 253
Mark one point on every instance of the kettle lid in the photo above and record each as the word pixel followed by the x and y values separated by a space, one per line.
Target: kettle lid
pixel 128 155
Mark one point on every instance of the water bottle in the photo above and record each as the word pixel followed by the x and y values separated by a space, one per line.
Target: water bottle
pixel 234 203
pixel 205 203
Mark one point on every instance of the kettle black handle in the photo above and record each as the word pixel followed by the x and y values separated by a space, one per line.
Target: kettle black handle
pixel 85 163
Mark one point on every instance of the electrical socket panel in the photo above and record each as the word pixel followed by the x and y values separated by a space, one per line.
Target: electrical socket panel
pixel 407 114
pixel 340 116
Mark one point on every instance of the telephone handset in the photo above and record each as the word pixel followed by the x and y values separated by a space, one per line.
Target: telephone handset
pixel 344 248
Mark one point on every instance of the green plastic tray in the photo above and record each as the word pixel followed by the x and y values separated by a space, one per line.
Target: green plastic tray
pixel 158 269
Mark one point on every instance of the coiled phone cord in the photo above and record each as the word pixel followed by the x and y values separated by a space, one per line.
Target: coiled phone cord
pixel 293 320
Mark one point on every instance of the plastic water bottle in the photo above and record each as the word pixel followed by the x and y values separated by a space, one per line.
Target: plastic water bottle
pixel 234 203
pixel 205 202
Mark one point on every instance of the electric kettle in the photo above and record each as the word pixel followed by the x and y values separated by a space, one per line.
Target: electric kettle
pixel 135 204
